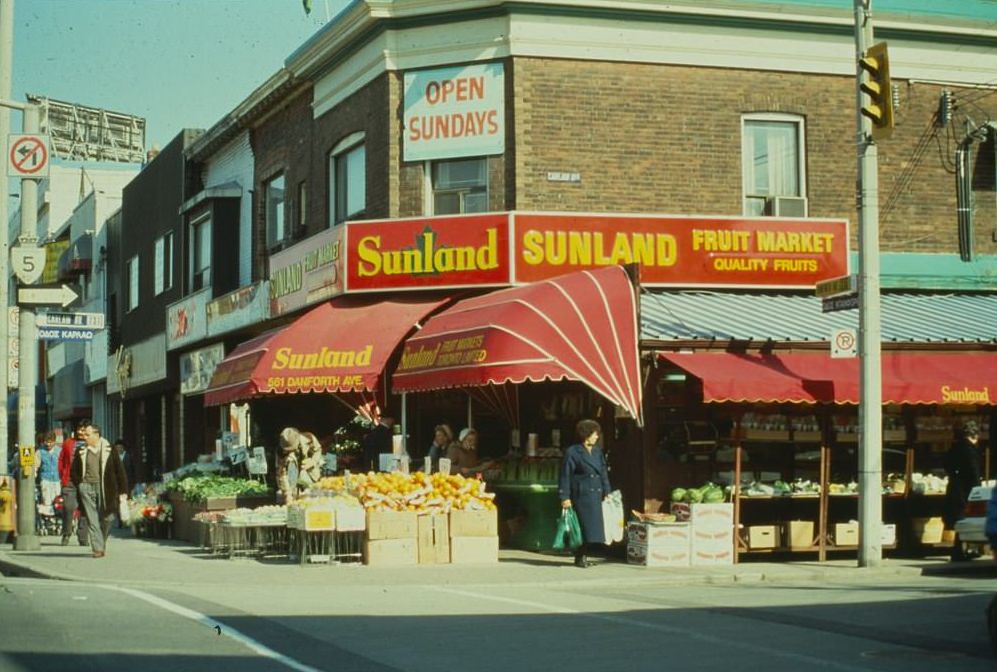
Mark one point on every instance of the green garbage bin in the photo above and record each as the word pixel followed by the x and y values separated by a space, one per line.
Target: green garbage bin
pixel 528 514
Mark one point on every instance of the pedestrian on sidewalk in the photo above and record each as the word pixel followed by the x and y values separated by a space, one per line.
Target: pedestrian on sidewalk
pixel 962 465
pixel 70 502
pixel 101 482
pixel 48 473
pixel 584 484
pixel 129 465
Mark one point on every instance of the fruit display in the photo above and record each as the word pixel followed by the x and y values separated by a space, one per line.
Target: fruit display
pixel 395 491
pixel 928 484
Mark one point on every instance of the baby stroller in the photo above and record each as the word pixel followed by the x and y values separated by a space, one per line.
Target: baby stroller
pixel 48 518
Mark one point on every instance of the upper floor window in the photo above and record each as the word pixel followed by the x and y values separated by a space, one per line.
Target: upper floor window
pixel 301 218
pixel 348 179
pixel 200 253
pixel 773 165
pixel 273 203
pixel 460 186
pixel 132 273
pixel 163 278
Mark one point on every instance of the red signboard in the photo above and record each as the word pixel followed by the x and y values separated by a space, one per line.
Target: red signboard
pixel 683 251
pixel 428 252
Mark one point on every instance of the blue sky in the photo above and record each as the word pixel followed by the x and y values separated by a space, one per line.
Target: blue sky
pixel 178 63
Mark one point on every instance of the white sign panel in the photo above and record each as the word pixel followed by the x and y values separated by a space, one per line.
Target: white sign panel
pixel 28 155
pixel 28 262
pixel 454 112
pixel 844 344
pixel 79 320
pixel 187 320
pixel 197 367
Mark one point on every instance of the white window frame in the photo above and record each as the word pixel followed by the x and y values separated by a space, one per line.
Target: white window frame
pixel 199 275
pixel 345 147
pixel 747 169
pixel 163 265
pixel 430 193
pixel 278 232
pixel 132 269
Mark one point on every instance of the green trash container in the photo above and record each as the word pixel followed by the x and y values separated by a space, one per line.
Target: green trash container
pixel 528 514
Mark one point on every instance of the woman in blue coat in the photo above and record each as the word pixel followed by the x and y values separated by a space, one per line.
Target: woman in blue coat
pixel 584 483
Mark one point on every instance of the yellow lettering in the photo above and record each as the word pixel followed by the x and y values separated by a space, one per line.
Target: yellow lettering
pixel 370 259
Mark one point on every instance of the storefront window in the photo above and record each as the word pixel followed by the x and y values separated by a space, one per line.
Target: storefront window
pixel 348 180
pixel 163 272
pixel 133 283
pixel 460 186
pixel 773 165
pixel 274 207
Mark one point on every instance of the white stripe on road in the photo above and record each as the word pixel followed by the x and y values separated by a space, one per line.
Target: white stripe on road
pixel 226 630
pixel 819 663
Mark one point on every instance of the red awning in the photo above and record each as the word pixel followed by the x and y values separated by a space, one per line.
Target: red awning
pixel 908 377
pixel 340 346
pixel 581 326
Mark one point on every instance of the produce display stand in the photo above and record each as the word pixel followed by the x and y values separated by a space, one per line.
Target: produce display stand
pixel 528 514
pixel 325 546
pixel 249 540
pixel 185 528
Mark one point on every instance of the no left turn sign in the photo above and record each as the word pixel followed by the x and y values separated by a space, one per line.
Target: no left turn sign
pixel 28 156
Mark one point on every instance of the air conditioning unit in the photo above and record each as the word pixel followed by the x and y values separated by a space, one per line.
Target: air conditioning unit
pixel 786 206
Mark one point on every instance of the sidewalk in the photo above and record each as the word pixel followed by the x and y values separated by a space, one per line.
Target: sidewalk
pixel 133 561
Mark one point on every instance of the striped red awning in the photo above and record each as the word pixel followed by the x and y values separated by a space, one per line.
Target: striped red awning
pixel 908 377
pixel 342 345
pixel 581 326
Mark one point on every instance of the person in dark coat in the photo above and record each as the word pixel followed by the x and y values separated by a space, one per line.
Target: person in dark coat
pixel 377 441
pixel 584 484
pixel 962 465
pixel 100 479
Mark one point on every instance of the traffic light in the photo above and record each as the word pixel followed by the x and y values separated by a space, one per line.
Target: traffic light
pixel 878 105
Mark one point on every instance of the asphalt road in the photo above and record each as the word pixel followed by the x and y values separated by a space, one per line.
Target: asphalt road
pixel 910 624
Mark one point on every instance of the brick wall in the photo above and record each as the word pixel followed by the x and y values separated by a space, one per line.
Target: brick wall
pixel 667 139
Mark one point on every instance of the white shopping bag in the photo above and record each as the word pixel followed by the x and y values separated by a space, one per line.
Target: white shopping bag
pixel 612 517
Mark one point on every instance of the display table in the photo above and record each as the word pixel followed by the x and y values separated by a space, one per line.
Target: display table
pixel 528 514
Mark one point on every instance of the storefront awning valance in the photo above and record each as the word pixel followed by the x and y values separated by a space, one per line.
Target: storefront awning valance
pixel 908 377
pixel 340 346
pixel 581 326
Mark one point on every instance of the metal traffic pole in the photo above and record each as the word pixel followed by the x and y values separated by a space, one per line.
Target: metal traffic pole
pixel 6 52
pixel 870 387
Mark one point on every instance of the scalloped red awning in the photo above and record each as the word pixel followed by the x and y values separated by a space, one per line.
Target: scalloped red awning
pixel 908 377
pixel 581 326
pixel 342 345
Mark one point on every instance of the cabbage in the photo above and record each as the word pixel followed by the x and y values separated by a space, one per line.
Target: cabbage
pixel 679 494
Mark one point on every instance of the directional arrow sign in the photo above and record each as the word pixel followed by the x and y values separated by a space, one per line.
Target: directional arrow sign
pixel 46 296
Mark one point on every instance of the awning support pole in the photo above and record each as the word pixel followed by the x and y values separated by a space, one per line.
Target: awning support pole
pixel 404 423
pixel 469 400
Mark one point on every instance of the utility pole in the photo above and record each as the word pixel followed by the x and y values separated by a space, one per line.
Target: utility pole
pixel 870 386
pixel 6 55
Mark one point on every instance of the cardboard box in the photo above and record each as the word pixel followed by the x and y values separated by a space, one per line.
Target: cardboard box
pixel 800 533
pixel 434 539
pixel 888 535
pixel 391 553
pixel 659 545
pixel 312 518
pixel 763 536
pixel 712 554
pixel 392 525
pixel 846 534
pixel 928 530
pixel 712 516
pixel 474 523
pixel 351 519
pixel 473 550
pixel 681 510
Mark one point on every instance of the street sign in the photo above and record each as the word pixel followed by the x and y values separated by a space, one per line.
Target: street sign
pixel 845 284
pixel 28 155
pixel 77 320
pixel 65 334
pixel 835 303
pixel 28 262
pixel 46 296
pixel 844 344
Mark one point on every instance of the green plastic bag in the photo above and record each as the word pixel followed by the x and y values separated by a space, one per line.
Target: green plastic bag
pixel 569 531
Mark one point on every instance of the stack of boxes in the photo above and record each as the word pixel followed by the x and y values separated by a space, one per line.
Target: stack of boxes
pixel 712 534
pixel 659 544
pixel 391 539
pixel 702 535
pixel 473 537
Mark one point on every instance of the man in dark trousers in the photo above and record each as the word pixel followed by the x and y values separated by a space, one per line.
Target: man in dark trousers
pixel 377 441
pixel 70 503
pixel 962 464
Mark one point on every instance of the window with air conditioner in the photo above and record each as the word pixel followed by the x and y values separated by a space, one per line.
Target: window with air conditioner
pixel 200 253
pixel 460 186
pixel 773 165
pixel 348 180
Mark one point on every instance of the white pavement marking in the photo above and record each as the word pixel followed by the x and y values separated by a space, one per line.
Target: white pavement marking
pixel 226 630
pixel 819 663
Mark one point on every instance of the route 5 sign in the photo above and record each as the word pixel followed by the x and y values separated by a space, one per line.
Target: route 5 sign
pixel 28 263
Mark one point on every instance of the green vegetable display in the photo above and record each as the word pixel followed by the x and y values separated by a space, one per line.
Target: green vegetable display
pixel 199 488
pixel 707 494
